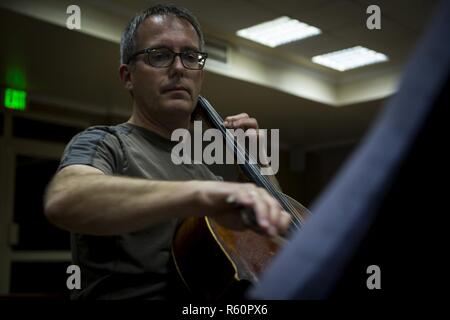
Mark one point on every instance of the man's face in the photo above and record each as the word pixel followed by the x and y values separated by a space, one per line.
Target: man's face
pixel 166 93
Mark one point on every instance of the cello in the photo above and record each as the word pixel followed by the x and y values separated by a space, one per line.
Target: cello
pixel 235 258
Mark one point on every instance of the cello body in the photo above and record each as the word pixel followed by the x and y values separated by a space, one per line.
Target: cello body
pixel 217 263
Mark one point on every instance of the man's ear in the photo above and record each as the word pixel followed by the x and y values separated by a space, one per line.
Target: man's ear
pixel 125 76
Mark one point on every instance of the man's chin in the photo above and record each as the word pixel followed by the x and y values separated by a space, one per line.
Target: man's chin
pixel 179 104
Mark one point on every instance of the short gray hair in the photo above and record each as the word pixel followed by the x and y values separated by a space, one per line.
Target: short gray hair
pixel 128 41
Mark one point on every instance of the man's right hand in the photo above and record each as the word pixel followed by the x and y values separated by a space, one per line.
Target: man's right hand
pixel 219 198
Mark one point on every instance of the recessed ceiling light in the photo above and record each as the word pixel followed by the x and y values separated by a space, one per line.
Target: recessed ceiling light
pixel 279 31
pixel 350 58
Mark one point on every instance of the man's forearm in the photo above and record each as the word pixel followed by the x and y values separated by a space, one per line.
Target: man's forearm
pixel 104 205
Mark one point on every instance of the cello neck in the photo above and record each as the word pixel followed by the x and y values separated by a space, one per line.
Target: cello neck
pixel 249 168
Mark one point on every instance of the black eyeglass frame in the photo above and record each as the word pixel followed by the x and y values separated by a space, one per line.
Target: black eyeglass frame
pixel 203 55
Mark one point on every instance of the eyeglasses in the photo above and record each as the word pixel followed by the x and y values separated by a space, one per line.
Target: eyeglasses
pixel 164 57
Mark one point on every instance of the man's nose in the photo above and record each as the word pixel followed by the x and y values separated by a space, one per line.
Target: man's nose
pixel 177 63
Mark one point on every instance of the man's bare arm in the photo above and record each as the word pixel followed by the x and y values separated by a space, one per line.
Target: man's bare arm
pixel 82 199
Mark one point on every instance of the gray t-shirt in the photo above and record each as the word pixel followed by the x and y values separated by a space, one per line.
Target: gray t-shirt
pixel 137 264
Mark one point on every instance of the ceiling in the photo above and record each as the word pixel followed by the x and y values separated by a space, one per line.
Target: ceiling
pixel 343 24
pixel 79 69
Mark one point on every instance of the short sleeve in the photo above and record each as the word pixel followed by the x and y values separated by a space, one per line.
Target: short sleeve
pixel 94 147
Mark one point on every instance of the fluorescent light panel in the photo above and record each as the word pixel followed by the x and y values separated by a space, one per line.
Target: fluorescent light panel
pixel 350 58
pixel 279 31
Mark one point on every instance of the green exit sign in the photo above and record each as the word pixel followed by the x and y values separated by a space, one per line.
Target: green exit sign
pixel 15 99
